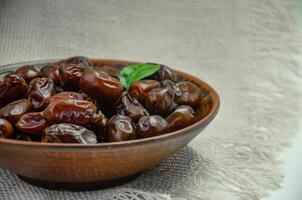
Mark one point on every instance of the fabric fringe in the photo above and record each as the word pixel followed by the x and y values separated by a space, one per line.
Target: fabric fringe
pixel 244 165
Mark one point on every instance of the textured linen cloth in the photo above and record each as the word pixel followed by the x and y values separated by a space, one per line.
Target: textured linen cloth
pixel 248 50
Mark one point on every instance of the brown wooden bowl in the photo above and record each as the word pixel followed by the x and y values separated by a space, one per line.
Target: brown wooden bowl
pixel 81 167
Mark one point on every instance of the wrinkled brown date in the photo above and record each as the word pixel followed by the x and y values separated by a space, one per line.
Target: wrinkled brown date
pixel 112 71
pixel 159 101
pixel 183 116
pixel 99 125
pixel 32 123
pixel 70 111
pixel 27 72
pixel 140 89
pixel 68 133
pixel 68 96
pixel 149 126
pixel 6 129
pixel 163 73
pixel 72 70
pixel 76 60
pixel 53 72
pixel 101 86
pixel 120 128
pixel 40 91
pixel 190 94
pixel 73 96
pixel 130 107
pixel 13 111
pixel 174 90
pixel 12 88
pixel 71 76
pixel 75 114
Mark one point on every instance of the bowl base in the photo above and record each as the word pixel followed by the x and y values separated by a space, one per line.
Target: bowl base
pixel 79 186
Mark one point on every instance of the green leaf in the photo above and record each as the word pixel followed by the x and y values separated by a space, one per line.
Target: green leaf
pixel 132 73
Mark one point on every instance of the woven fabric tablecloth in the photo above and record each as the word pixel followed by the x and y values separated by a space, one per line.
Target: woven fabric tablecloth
pixel 248 50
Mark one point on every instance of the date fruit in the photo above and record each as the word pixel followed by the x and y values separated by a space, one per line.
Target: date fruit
pixel 53 72
pixel 68 133
pixel 149 126
pixel 13 111
pixel 32 123
pixel 190 94
pixel 71 76
pixel 76 60
pixel 101 86
pixel 72 70
pixel 12 88
pixel 99 125
pixel 78 112
pixel 40 91
pixel 130 107
pixel 183 116
pixel 164 73
pixel 140 89
pixel 174 90
pixel 159 101
pixel 27 72
pixel 112 71
pixel 6 129
pixel 120 128
pixel 68 96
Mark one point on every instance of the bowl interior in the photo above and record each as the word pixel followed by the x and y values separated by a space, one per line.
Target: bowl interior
pixel 204 114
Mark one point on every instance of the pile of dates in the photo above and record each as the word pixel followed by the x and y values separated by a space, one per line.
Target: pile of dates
pixel 73 101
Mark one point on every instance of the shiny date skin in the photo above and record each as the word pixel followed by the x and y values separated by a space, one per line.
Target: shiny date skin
pixel 13 111
pixel 149 126
pixel 68 133
pixel 6 129
pixel 12 88
pixel 78 112
pixel 112 71
pixel 182 116
pixel 159 101
pixel 98 125
pixel 130 107
pixel 76 60
pixel 120 128
pixel 141 88
pixel 28 72
pixel 71 76
pixel 72 70
pixel 73 96
pixel 174 90
pixel 68 96
pixel 32 123
pixel 75 114
pixel 163 73
pixel 190 94
pixel 40 91
pixel 53 71
pixel 101 86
